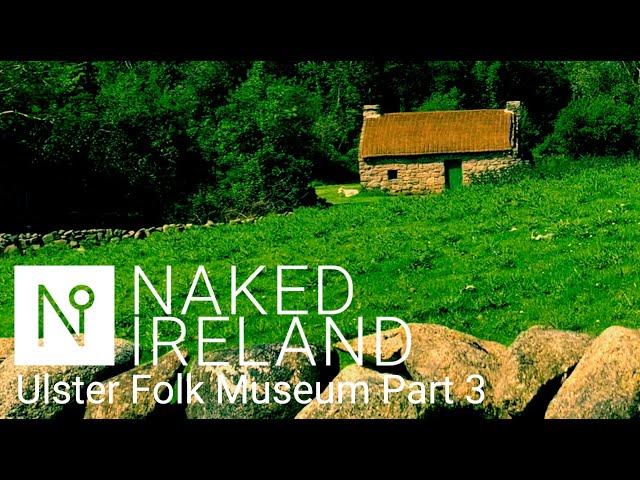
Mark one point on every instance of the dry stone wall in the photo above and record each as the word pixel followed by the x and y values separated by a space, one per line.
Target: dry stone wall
pixel 21 243
pixel 544 373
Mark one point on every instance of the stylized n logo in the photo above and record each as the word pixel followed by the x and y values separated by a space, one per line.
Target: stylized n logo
pixel 82 297
pixel 80 304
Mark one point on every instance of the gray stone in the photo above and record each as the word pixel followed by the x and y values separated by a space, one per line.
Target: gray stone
pixel 12 250
pixel 49 238
pixel 295 368
pixel 606 382
pixel 534 367
pixel 10 405
pixel 391 343
pixel 438 352
pixel 361 405
pixel 141 234
pixel 122 407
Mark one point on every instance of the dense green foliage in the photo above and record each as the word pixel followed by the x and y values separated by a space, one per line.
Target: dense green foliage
pixel 598 125
pixel 602 118
pixel 411 257
pixel 125 142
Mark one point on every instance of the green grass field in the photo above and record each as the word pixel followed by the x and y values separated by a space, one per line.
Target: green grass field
pixel 331 195
pixel 468 259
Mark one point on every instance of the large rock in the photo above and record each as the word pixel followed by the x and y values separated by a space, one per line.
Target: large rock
pixel 534 367
pixel 12 250
pixel 10 405
pixel 368 402
pixel 606 381
pixel 438 352
pixel 391 345
pixel 6 348
pixel 295 368
pixel 122 407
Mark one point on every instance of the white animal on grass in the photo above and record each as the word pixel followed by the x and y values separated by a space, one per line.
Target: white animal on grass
pixel 348 192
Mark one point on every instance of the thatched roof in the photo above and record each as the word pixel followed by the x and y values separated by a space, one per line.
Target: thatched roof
pixel 422 133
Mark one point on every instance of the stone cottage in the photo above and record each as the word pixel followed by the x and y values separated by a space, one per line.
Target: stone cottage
pixel 420 152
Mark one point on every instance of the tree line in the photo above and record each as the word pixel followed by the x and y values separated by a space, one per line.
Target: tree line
pixel 123 142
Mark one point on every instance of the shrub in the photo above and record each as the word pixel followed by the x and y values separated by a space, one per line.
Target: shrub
pixel 594 126
pixel 265 148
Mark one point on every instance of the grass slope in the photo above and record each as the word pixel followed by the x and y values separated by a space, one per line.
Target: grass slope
pixel 331 195
pixel 465 259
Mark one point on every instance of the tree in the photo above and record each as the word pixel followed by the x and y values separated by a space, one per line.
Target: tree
pixel 265 148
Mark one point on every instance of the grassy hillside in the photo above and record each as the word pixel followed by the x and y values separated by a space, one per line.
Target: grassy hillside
pixel 559 247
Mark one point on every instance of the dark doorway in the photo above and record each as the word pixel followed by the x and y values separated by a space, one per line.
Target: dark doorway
pixel 453 174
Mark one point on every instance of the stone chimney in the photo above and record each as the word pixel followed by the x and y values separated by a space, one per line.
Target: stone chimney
pixel 515 107
pixel 371 111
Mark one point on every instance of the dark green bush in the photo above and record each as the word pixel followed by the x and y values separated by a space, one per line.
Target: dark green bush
pixel 594 126
pixel 264 148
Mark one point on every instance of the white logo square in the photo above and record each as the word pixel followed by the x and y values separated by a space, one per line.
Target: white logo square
pixel 64 315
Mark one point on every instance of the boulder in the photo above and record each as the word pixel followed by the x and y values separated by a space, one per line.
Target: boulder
pixel 368 403
pixel 534 367
pixel 6 348
pixel 141 234
pixel 12 250
pixel 166 370
pixel 438 352
pixel 49 237
pixel 391 346
pixel 606 382
pixel 10 405
pixel 294 369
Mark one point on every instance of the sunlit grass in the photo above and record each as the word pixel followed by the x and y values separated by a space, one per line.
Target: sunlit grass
pixel 467 259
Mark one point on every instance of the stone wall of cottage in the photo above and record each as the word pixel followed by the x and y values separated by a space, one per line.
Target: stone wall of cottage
pixel 477 167
pixel 421 177
pixel 412 177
